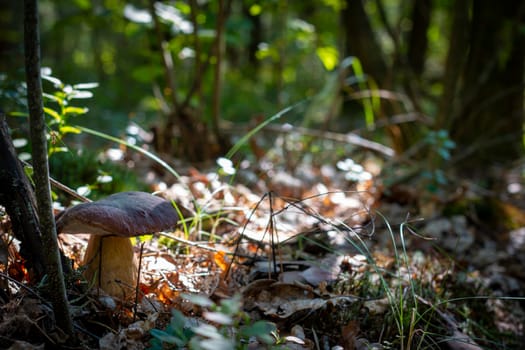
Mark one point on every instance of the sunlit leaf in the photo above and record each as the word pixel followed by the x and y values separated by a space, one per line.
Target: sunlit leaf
pixel 104 179
pixel 215 344
pixel 84 190
pixel 86 86
pixel 207 331
pixel 75 110
pixel 137 15
pixel 53 97
pixel 81 94
pixel 329 56
pixel 53 80
pixel 199 300
pixel 52 113
pixel 368 103
pixel 255 10
pixel 53 150
pixel 218 317
pixel 66 129
pixel 173 16
pixel 19 142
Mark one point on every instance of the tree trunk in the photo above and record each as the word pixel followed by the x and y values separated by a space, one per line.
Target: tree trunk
pixel 456 58
pixel 488 127
pixel 418 40
pixel 185 134
pixel 41 174
pixel 360 41
pixel 18 199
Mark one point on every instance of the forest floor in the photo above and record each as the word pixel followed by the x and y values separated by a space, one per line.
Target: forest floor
pixel 328 257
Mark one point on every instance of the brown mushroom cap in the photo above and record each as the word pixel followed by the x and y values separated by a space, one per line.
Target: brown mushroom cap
pixel 122 214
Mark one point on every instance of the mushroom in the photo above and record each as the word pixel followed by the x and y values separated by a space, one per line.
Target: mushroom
pixel 111 221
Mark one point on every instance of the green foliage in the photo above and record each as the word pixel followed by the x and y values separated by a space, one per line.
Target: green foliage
pixel 85 170
pixel 227 327
pixel 90 174
pixel 440 145
pixel 440 142
pixel 58 122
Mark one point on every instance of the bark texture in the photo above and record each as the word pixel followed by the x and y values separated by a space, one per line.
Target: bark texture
pixel 18 199
pixel 37 126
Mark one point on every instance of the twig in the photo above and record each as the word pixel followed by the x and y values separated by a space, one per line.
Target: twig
pixel 61 186
pixel 137 289
pixel 69 190
pixel 350 138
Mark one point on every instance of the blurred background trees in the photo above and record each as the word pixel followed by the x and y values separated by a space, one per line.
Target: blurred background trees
pixel 439 80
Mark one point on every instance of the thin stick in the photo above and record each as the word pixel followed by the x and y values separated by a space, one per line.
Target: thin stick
pixel 138 283
pixel 68 190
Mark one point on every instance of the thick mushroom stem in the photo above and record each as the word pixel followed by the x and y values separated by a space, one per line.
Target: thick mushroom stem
pixel 111 265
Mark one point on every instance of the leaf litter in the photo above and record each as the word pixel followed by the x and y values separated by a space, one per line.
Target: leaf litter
pixel 330 268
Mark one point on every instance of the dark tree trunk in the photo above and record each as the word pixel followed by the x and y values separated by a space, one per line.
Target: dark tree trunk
pixel 488 127
pixel 17 197
pixel 256 31
pixel 456 58
pixel 418 40
pixel 360 41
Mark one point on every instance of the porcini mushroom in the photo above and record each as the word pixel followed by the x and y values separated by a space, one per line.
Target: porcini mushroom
pixel 109 258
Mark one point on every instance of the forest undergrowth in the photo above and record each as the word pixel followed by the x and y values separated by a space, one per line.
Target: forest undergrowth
pixel 322 256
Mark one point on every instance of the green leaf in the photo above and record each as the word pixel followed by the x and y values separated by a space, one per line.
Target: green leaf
pixel 75 110
pixel 231 306
pixel 69 130
pixel 449 144
pixel 83 4
pixel 208 331
pixel 199 300
pixel 218 317
pixel 261 330
pixel 18 114
pixel 52 113
pixel 28 169
pixel 85 86
pixel 53 98
pixel 329 56
pixel 255 10
pixel 53 150
pixel 53 80
pixel 217 344
pixel 80 94
pixel 167 338
pixel 444 153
